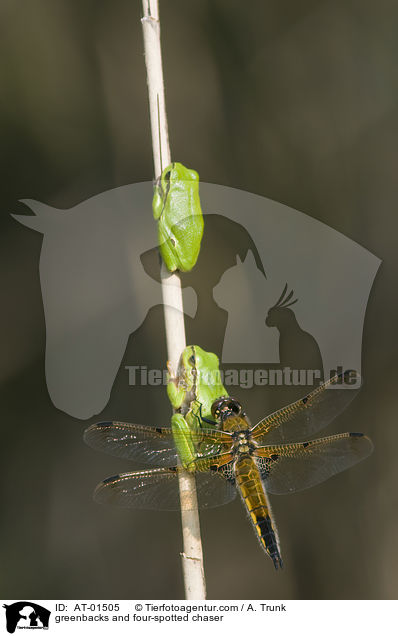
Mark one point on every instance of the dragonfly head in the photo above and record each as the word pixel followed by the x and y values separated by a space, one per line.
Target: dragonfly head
pixel 226 407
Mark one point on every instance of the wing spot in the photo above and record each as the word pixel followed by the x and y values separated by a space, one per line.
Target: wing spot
pixel 109 479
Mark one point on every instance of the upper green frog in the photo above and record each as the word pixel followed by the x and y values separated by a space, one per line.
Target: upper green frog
pixel 197 385
pixel 176 207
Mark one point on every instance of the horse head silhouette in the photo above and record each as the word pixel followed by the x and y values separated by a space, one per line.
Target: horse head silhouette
pixel 95 290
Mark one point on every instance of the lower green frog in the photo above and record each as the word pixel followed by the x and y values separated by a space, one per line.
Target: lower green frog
pixel 197 385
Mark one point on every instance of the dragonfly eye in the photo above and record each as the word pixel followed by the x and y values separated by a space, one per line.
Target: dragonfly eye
pixel 217 407
pixel 225 407
pixel 235 406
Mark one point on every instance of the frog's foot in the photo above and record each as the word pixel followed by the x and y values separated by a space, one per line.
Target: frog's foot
pixel 170 371
pixel 175 393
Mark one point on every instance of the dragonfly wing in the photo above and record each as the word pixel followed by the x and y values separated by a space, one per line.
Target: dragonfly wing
pixel 307 416
pixel 151 445
pixel 293 467
pixel 211 441
pixel 158 489
pixel 220 462
pixel 132 441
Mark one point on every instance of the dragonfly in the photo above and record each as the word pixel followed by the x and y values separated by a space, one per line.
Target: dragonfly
pixel 275 456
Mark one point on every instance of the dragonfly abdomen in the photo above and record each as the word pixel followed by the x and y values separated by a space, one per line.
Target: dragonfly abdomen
pixel 255 500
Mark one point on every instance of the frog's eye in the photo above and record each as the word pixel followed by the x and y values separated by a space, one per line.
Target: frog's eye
pixel 167 175
pixel 191 360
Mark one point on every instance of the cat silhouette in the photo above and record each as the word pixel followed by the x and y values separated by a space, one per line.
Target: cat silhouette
pixel 244 292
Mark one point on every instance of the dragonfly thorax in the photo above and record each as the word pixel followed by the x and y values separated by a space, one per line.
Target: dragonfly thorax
pixel 242 443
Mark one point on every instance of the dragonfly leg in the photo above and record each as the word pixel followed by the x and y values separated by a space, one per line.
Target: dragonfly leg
pixel 201 418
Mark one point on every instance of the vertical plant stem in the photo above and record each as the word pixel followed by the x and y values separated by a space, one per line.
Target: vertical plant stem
pixel 192 556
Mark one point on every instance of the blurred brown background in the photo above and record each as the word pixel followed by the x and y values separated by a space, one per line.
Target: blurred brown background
pixel 296 101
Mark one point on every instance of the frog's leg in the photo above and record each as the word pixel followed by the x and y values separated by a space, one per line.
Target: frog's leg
pixel 183 440
pixel 175 392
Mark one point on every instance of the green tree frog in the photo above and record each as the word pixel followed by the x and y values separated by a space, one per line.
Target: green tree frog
pixel 197 385
pixel 176 207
